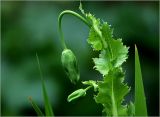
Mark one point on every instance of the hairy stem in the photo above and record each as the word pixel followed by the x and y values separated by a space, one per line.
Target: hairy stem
pixel 60 22
pixel 88 88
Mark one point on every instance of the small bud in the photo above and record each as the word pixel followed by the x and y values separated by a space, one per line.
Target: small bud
pixel 69 63
pixel 76 94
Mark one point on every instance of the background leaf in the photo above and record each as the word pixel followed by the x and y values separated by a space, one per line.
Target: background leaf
pixel 140 100
pixel 48 107
pixel 36 108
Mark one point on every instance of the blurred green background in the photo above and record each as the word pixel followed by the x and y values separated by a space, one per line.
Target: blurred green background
pixel 30 27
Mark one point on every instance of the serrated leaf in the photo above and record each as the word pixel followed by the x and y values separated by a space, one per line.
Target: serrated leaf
pixel 95 23
pixel 102 64
pixel 106 61
pixel 36 108
pixel 95 34
pixel 131 109
pixel 81 8
pixel 116 50
pixel 94 40
pixel 119 52
pixel 107 31
pixel 140 100
pixel 112 92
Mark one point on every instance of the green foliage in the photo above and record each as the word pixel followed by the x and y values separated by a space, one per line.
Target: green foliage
pixel 111 93
pixel 47 104
pixel 111 90
pixel 48 107
pixel 113 52
pixel 95 40
pixel 107 61
pixel 140 101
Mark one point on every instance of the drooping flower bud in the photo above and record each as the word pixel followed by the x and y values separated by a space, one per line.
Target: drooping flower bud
pixel 69 63
pixel 76 94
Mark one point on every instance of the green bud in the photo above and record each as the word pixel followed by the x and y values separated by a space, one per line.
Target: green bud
pixel 76 94
pixel 69 63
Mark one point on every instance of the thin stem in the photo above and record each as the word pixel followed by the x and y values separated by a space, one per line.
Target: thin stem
pixel 60 26
pixel 88 88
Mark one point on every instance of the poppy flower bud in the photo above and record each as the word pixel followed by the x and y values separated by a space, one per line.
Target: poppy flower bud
pixel 69 63
pixel 76 94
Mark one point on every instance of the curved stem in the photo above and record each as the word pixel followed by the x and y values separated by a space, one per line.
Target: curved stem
pixel 88 88
pixel 60 26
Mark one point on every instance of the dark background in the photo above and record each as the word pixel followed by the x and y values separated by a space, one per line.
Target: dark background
pixel 30 27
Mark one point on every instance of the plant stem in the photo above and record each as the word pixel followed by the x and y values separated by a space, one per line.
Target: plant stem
pixel 88 88
pixel 114 106
pixel 60 26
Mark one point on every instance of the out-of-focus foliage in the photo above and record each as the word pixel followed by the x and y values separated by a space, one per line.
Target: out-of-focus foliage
pixel 30 27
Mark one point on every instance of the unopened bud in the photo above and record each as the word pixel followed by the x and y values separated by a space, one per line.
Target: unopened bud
pixel 76 94
pixel 69 63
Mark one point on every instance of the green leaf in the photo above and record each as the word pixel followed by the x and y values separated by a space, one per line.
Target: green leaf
pixel 95 35
pixel 102 64
pixel 107 31
pixel 36 108
pixel 119 52
pixel 94 40
pixel 76 94
pixel 106 61
pixel 112 92
pixel 113 54
pixel 140 100
pixel 81 9
pixel 131 109
pixel 95 23
pixel 48 107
